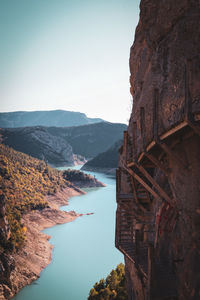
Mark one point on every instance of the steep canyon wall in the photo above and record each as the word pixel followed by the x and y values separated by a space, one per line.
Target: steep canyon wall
pixel 158 179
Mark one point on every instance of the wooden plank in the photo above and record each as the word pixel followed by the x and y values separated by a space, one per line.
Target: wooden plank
pixel 172 154
pixel 127 215
pixel 135 194
pixel 172 145
pixel 150 146
pixel 125 196
pixel 154 183
pixel 148 165
pixel 157 163
pixel 126 233
pixel 127 236
pixel 126 254
pixel 142 195
pixel 129 245
pixel 142 271
pixel 131 164
pixel 144 184
pixel 126 205
pixel 141 156
pixel 145 200
pixel 173 130
pixel 148 196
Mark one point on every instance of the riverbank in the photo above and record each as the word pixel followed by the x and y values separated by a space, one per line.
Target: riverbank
pixel 107 171
pixel 79 179
pixel 78 246
pixel 29 261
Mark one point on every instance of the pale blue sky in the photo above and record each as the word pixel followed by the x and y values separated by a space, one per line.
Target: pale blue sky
pixel 67 54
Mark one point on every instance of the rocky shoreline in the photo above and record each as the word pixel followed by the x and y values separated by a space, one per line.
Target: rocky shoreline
pixel 36 254
pixel 107 171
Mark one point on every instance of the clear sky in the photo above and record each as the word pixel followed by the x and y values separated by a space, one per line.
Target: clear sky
pixel 67 54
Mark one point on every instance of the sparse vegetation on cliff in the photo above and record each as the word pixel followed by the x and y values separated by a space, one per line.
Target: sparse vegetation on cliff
pixel 113 287
pixel 24 181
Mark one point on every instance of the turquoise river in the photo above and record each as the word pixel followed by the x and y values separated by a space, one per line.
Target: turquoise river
pixel 84 250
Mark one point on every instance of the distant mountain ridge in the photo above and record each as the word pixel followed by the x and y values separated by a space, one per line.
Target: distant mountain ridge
pixel 58 118
pixel 92 139
pixel 57 145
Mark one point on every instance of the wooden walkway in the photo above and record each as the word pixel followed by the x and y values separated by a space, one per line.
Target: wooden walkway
pixel 134 209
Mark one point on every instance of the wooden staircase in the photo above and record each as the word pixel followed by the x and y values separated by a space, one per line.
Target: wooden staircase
pixel 124 232
pixel 139 160
pixel 141 194
pixel 127 240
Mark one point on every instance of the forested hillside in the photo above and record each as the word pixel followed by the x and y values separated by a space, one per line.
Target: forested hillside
pixel 24 181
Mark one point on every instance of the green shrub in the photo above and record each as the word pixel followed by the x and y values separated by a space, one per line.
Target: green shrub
pixel 114 287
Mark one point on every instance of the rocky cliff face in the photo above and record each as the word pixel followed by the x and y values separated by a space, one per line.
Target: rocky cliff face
pixel 158 179
pixel 165 52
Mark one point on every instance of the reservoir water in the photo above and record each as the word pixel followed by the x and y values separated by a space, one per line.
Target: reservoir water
pixel 83 250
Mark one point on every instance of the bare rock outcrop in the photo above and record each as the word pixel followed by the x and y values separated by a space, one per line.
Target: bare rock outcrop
pixel 158 179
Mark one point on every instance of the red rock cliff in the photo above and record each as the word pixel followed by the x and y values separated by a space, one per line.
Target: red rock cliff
pixel 158 179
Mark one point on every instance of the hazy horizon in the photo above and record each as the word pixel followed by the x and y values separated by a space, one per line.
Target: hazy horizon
pixel 73 111
pixel 67 55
